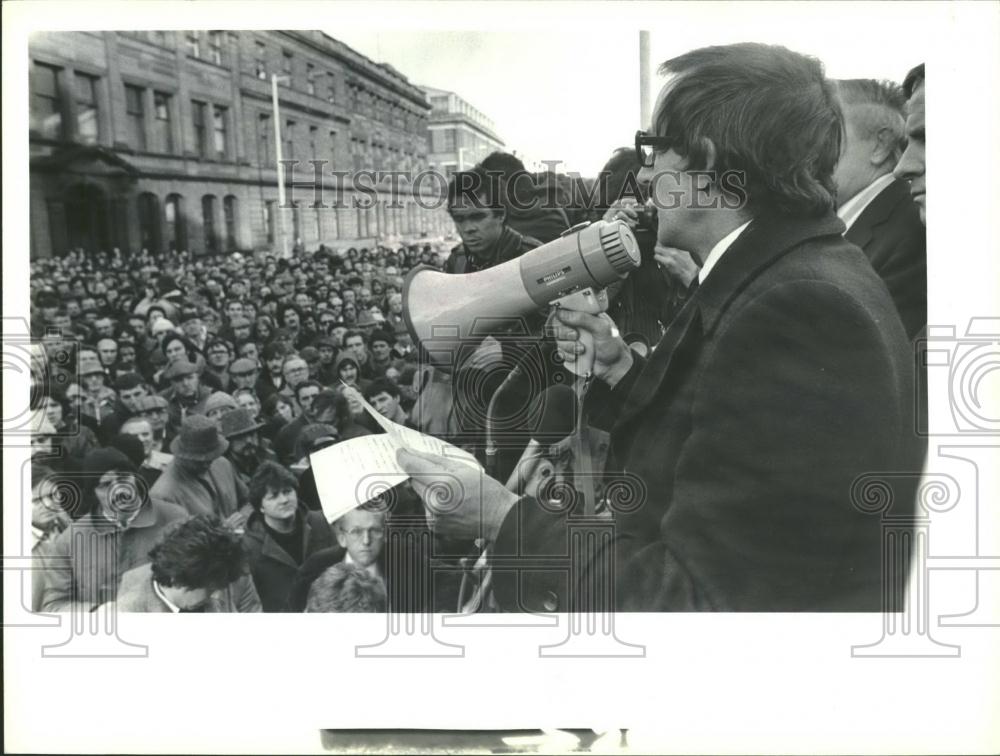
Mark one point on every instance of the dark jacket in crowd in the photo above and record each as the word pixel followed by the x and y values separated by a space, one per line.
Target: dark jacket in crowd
pixel 273 569
pixel 891 234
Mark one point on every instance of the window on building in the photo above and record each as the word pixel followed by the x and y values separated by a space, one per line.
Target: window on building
pixel 135 117
pixel 173 213
pixel 216 47
pixel 200 127
pixel 313 131
pixel 449 140
pixel 289 140
pixel 333 149
pixel 149 222
pixel 287 68
pixel 269 210
pixel 229 215
pixel 86 108
pixel 264 150
pixel 260 61
pixel 296 221
pixel 194 44
pixel 331 83
pixel 208 203
pixel 46 108
pixel 162 38
pixel 310 78
pixel 220 114
pixel 163 136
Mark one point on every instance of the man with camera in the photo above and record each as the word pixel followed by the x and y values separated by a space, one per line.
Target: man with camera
pixel 781 383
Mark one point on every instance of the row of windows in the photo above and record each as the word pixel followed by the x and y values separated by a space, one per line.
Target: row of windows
pixel 149 115
pixel 169 229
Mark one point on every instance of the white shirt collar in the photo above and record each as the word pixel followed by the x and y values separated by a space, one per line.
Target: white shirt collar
pixel 371 569
pixel 852 209
pixel 718 250
pixel 170 604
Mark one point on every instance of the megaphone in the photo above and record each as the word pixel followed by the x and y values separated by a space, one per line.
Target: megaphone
pixel 443 311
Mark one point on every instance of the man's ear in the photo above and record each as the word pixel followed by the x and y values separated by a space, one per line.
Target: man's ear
pixel 708 147
pixel 885 148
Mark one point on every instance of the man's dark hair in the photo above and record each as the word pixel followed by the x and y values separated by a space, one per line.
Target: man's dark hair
pixel 381 385
pixel 276 349
pixel 351 334
pixel 501 162
pixel 128 381
pixel 198 553
pixel 913 81
pixel 324 400
pixel 309 383
pixel 270 476
pixel 477 187
pixel 742 98
pixel 283 309
pixel 346 588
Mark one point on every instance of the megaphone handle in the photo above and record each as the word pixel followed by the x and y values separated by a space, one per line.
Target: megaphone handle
pixel 591 301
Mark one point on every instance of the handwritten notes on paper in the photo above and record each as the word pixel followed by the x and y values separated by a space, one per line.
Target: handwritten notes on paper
pixel 352 472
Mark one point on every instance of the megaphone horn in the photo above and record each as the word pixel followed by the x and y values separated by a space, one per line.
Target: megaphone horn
pixel 444 311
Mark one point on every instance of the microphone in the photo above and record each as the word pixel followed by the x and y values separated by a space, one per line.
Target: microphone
pixel 557 410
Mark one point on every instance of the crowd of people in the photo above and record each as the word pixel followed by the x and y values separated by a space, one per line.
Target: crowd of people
pixel 178 399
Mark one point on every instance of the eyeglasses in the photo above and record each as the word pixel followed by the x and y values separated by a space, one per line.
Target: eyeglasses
pixel 647 145
pixel 372 532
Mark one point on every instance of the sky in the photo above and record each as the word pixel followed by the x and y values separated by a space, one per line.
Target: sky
pixel 572 94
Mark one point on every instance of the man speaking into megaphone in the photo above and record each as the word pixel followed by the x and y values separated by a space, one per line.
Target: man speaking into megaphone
pixel 786 377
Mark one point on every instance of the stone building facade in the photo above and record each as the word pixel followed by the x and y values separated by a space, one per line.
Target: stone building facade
pixel 167 139
pixel 460 135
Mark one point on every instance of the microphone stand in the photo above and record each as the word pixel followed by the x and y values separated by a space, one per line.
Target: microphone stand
pixel 491 443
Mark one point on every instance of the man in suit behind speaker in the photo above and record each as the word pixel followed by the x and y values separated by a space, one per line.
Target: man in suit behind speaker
pixel 877 209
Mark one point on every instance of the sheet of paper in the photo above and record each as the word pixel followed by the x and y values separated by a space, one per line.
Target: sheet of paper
pixel 352 472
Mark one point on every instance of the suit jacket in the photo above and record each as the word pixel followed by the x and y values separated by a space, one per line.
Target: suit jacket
pixel 136 594
pixel 219 491
pixel 272 568
pixel 735 449
pixel 91 555
pixel 891 235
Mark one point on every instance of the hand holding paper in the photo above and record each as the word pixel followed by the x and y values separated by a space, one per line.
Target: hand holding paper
pixel 461 501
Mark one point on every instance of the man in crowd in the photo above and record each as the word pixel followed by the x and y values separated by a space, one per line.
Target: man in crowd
pixel 383 395
pixel 199 478
pixel 527 210
pixel 743 505
pixel 154 461
pixel 877 209
pixel 186 396
pixel 246 449
pixel 198 566
pixel 91 554
pixel 280 534
pixel 912 168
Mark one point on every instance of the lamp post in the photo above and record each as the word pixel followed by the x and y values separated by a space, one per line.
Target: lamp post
pixel 281 168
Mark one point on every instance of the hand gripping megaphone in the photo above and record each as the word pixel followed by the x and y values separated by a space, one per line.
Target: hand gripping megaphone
pixel 444 311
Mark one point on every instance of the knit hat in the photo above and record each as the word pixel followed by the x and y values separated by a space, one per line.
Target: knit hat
pixel 309 354
pixel 220 400
pixel 199 440
pixel 341 359
pixel 238 422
